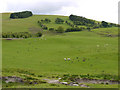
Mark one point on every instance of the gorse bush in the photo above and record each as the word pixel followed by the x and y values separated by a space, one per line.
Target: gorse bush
pixel 23 14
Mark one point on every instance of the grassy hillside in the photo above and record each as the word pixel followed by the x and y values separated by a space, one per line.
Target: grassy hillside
pixel 24 25
pixel 107 31
pixel 42 58
pixel 47 56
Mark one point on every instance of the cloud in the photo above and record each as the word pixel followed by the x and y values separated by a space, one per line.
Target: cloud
pixel 39 6
pixel 94 9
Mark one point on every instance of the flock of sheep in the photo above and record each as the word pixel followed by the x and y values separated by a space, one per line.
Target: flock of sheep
pixel 84 59
pixel 69 59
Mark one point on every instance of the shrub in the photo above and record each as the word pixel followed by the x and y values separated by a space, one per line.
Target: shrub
pixel 60 29
pixel 59 21
pixel 39 34
pixel 47 20
pixel 88 28
pixel 73 29
pixel 51 29
pixel 44 27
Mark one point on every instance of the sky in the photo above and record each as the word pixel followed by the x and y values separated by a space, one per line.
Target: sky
pixel 101 10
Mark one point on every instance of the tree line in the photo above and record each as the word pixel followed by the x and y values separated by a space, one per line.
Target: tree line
pixel 20 34
pixel 23 14
pixel 79 20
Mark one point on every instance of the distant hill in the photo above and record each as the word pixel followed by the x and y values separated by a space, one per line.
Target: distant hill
pixel 48 22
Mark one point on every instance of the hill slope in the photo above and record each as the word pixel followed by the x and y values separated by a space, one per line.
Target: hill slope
pixel 23 25
pixel 43 58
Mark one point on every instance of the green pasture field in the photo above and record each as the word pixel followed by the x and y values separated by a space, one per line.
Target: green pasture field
pixel 45 56
pixel 107 31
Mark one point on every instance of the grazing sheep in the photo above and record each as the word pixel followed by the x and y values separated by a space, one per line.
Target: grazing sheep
pixel 65 59
pixel 68 59
pixel 84 59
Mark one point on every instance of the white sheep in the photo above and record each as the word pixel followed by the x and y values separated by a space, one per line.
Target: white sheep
pixel 68 59
pixel 65 59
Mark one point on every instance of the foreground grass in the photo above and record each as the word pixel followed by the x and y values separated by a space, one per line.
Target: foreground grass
pixel 47 85
pixel 45 56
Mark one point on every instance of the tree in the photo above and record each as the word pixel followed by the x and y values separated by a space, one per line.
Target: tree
pixel 104 24
pixel 60 29
pixel 23 14
pixel 79 20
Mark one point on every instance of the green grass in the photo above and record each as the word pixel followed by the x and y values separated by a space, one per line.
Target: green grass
pixel 45 55
pixel 107 31
pixel 21 25
pixel 47 85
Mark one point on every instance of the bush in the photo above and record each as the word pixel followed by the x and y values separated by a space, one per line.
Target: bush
pixel 23 14
pixel 73 29
pixel 44 27
pixel 47 20
pixel 60 29
pixel 51 29
pixel 59 21
pixel 39 34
